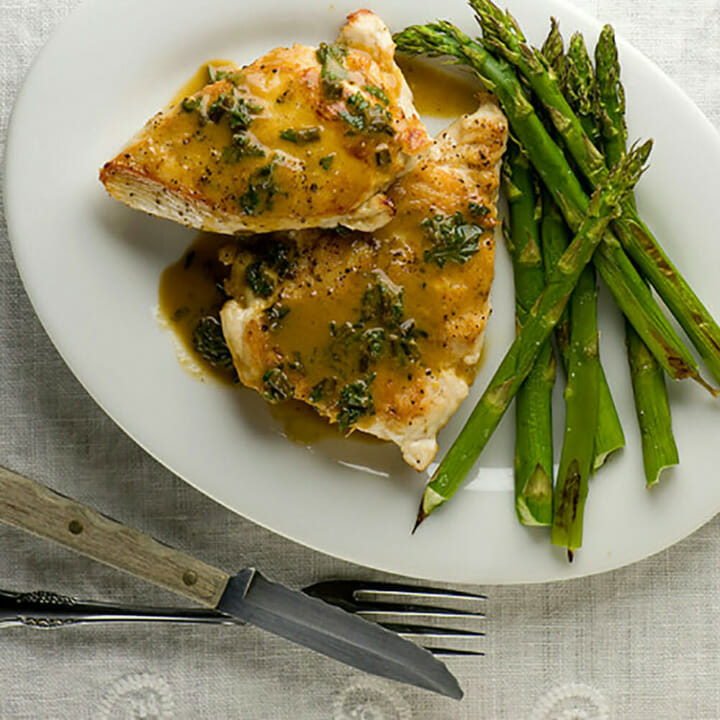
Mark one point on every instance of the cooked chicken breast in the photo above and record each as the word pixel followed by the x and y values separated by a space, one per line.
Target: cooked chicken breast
pixel 382 331
pixel 301 138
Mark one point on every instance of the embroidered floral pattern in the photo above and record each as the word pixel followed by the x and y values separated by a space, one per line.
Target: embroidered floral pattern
pixel 573 701
pixel 140 696
pixel 370 700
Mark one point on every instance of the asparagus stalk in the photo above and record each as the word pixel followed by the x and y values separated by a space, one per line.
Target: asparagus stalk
pixel 586 383
pixel 555 237
pixel 503 35
pixel 648 380
pixel 581 407
pixel 533 424
pixel 538 327
pixel 629 290
pixel 653 409
pixel 577 80
pixel 609 435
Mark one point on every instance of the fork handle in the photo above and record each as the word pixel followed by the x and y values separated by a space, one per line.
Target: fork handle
pixel 48 610
pixel 28 505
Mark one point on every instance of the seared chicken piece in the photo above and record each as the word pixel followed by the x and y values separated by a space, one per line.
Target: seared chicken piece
pixel 301 138
pixel 379 332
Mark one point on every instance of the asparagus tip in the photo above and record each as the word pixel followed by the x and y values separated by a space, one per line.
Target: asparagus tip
pixel 418 520
pixel 430 501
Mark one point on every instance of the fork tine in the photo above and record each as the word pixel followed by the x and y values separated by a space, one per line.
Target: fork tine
pixel 448 651
pixel 417 612
pixel 436 640
pixel 409 591
pixel 347 589
pixel 431 630
pixel 402 609
pixel 355 595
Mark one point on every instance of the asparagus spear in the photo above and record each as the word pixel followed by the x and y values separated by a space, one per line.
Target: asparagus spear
pixel 610 108
pixel 653 409
pixel 609 435
pixel 533 424
pixel 502 33
pixel 580 88
pixel 575 75
pixel 538 326
pixel 648 380
pixel 586 382
pixel 581 407
pixel 553 50
pixel 629 290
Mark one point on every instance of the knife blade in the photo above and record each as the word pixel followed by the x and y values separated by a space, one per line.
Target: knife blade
pixel 327 629
pixel 247 596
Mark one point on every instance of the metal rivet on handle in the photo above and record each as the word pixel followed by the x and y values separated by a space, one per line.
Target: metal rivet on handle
pixel 75 527
pixel 190 577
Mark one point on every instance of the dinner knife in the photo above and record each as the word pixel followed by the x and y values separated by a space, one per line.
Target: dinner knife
pixel 247 596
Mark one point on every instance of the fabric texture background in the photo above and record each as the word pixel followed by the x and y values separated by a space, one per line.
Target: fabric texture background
pixel 640 642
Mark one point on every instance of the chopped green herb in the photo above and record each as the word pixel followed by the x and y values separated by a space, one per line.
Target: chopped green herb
pixel 364 117
pixel 356 121
pixel 324 388
pixel 333 72
pixel 301 135
pixel 273 259
pixel 355 402
pixel 215 75
pixel 189 104
pixel 382 302
pixel 404 342
pixel 381 328
pixel 382 157
pixel 327 161
pixel 377 92
pixel 297 364
pixel 258 279
pixel 261 191
pixel 383 305
pixel 379 120
pixel 453 240
pixel 477 210
pixel 239 111
pixel 374 341
pixel 277 256
pixel 241 147
pixel 209 342
pixel 358 103
pixel 276 386
pixel 274 314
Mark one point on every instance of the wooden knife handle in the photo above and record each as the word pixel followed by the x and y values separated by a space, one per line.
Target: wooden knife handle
pixel 28 505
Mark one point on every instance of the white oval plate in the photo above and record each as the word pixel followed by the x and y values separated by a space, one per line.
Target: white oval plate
pixel 91 267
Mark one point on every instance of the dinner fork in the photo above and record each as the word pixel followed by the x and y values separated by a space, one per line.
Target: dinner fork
pixel 446 622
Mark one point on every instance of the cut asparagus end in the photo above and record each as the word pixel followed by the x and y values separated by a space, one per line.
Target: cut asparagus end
pixel 534 504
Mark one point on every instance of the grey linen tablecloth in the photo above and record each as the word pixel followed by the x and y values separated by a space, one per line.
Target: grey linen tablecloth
pixel 641 642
